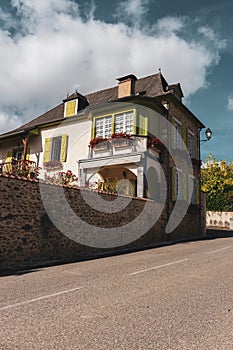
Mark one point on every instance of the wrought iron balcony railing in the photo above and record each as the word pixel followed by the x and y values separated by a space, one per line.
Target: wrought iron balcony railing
pixel 18 167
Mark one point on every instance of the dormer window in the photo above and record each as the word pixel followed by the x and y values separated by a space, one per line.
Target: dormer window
pixel 71 108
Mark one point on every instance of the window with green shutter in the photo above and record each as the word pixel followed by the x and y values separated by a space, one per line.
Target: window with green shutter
pixel 143 125
pixel 191 144
pixel 47 147
pixel 173 184
pixel 55 148
pixel 63 152
pixel 71 108
pixel 184 135
pixel 105 126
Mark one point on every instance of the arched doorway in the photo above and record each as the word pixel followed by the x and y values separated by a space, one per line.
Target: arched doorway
pixel 122 179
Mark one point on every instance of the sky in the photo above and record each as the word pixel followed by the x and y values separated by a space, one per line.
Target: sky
pixel 50 48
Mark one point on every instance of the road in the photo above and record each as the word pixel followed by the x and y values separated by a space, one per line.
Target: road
pixel 173 297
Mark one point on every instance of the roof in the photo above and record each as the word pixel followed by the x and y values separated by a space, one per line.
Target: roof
pixel 150 86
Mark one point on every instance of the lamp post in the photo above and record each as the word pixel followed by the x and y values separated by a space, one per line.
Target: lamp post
pixel 208 134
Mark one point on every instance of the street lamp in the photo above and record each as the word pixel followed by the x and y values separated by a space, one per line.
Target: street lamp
pixel 208 134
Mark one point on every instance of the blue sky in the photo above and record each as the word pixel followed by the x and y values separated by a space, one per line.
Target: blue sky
pixel 51 47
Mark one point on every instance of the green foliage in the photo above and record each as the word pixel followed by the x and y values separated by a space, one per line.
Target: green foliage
pixel 217 182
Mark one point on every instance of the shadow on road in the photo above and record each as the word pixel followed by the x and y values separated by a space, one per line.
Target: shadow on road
pixel 211 233
pixel 14 272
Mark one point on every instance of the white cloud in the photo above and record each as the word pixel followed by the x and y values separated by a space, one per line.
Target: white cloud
pixel 168 25
pixel 209 34
pixel 132 11
pixel 6 20
pixel 9 121
pixel 230 103
pixel 56 50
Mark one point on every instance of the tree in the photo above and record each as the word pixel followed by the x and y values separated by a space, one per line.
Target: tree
pixel 217 182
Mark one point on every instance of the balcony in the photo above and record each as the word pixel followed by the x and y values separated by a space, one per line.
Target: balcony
pixel 123 144
pixel 115 145
pixel 26 168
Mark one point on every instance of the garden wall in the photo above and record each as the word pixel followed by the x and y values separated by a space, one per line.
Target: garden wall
pixel 29 238
pixel 219 219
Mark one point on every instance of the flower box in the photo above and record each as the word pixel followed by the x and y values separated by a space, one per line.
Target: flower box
pixel 155 143
pixel 101 146
pixel 118 142
pixel 53 164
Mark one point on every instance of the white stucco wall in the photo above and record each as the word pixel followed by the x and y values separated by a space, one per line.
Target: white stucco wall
pixel 79 135
pixel 219 219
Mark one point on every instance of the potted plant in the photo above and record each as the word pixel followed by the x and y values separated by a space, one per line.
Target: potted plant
pixel 99 143
pixel 53 164
pixel 121 139
pixel 154 143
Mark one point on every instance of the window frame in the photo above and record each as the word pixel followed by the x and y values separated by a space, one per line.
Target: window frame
pixel 191 146
pixel 105 134
pixel 53 151
pixel 178 184
pixel 193 197
pixel 124 114
pixel 16 152
pixel 113 115
pixel 177 136
pixel 66 105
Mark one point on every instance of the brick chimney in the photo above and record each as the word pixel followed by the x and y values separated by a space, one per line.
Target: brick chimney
pixel 126 85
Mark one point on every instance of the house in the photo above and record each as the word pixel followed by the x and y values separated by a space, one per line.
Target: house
pixel 118 137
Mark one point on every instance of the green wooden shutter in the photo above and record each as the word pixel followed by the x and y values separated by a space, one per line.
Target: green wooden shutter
pixel 184 135
pixel 9 156
pixel 184 187
pixel 47 147
pixel 143 125
pixel 172 132
pixel 71 108
pixel 173 184
pixel 8 160
pixel 63 148
pixel 189 194
pixel 93 129
pixel 28 154
pixel 134 123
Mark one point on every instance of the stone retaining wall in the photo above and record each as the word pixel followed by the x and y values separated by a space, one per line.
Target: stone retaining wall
pixel 28 237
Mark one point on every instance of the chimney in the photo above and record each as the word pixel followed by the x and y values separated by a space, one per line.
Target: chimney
pixel 126 85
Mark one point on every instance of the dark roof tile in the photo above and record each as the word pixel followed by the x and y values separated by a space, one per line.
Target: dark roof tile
pixel 151 86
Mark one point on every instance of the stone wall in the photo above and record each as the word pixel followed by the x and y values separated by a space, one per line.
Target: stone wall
pixel 28 237
pixel 219 219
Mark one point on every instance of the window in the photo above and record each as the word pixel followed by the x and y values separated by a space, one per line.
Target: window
pixel 18 153
pixel 191 144
pixel 117 123
pixel 71 108
pixel 55 148
pixel 178 184
pixel 103 127
pixel 124 122
pixel 191 188
pixel 177 135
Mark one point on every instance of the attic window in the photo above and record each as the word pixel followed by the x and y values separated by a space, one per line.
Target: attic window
pixel 71 108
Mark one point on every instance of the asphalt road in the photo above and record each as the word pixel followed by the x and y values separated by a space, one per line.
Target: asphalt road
pixel 174 297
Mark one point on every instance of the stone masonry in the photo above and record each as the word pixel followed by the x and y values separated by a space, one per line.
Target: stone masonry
pixel 29 238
